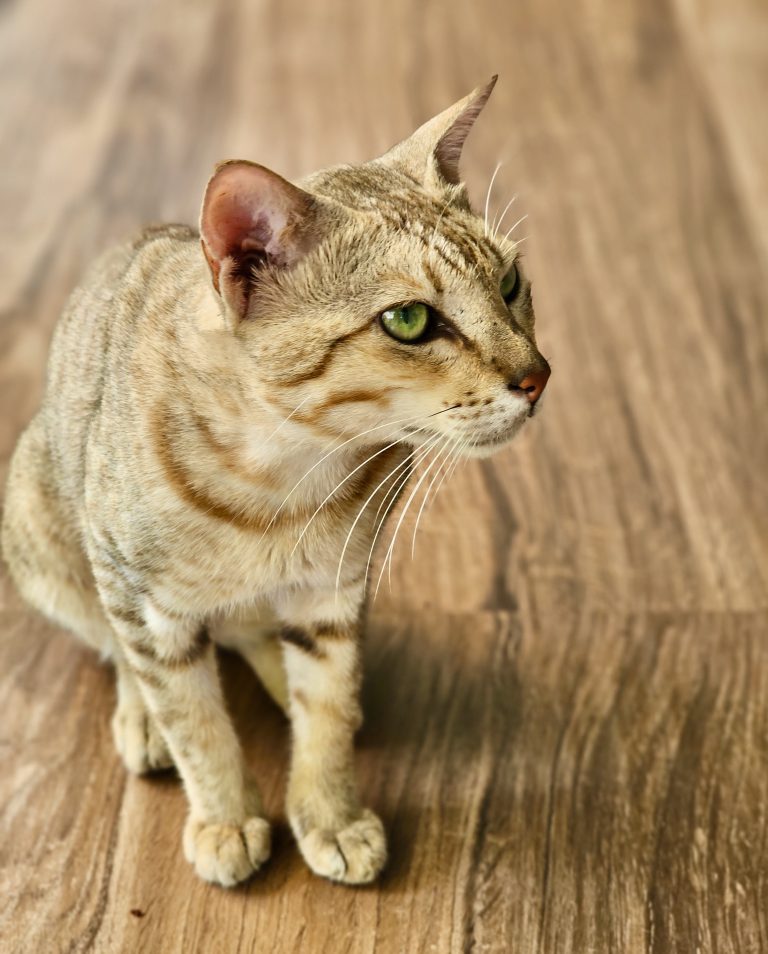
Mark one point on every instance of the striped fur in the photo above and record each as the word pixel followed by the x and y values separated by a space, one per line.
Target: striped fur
pixel 211 430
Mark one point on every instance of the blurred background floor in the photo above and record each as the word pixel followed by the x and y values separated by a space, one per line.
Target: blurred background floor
pixel 567 690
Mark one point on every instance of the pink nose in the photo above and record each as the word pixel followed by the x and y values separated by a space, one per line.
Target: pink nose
pixel 532 385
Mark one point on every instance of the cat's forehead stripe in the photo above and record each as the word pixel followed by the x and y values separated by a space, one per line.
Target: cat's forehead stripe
pixel 449 241
pixel 439 223
pixel 432 277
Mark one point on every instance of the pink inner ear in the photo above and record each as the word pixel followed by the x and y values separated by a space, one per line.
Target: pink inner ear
pixel 234 224
pixel 247 209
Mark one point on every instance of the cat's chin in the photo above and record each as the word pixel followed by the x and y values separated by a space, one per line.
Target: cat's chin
pixel 488 446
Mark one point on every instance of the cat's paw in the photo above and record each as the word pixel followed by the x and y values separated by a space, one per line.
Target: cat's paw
pixel 138 740
pixel 227 854
pixel 353 855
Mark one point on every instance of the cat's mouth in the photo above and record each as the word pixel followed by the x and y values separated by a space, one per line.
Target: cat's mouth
pixel 483 444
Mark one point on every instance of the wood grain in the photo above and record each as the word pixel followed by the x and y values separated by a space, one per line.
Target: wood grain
pixel 567 691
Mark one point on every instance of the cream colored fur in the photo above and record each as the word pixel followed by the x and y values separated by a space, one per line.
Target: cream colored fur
pixel 214 420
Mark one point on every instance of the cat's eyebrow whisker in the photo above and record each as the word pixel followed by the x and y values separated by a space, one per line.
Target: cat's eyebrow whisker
pixel 345 479
pixel 449 445
pixel 390 549
pixel 495 226
pixel 521 219
pixel 488 197
pixel 420 454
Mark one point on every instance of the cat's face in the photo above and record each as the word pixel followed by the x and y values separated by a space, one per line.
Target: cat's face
pixel 393 309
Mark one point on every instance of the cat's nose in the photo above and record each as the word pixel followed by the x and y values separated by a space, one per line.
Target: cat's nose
pixel 532 385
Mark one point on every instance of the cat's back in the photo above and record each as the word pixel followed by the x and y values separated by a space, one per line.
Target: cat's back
pixel 93 340
pixel 44 508
pixel 102 311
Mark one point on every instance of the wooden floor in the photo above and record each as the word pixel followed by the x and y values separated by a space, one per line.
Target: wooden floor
pixel 567 691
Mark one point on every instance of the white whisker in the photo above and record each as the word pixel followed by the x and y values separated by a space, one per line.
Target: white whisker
pixel 343 481
pixel 279 427
pixel 462 445
pixel 386 496
pixel 521 219
pixel 361 511
pixel 449 445
pixel 390 550
pixel 394 490
pixel 488 196
pixel 333 450
pixel 495 226
pixel 403 463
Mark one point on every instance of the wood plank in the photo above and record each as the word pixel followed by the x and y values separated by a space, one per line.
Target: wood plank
pixel 592 784
pixel 727 43
pixel 566 689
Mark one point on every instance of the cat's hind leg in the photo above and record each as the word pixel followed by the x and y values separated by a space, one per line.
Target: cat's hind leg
pixel 137 738
pixel 41 546
pixel 51 571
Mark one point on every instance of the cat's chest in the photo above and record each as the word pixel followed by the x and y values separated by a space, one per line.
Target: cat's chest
pixel 240 566
pixel 316 543
pixel 214 559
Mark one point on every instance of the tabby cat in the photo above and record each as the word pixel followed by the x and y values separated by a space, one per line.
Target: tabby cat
pixel 228 415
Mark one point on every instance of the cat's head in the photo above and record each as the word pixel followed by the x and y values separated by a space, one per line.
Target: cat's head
pixel 374 299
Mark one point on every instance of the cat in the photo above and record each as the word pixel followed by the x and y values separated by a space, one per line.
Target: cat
pixel 228 413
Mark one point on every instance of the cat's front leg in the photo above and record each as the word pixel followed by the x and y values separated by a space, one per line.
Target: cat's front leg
pixel 173 660
pixel 338 838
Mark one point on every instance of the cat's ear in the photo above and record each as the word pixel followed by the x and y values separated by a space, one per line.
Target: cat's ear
pixel 433 152
pixel 253 217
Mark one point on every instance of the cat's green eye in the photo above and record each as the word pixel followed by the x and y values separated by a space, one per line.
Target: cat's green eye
pixel 406 322
pixel 510 284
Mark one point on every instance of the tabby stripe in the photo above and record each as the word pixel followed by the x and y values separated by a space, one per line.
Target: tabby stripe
pixel 465 246
pixel 398 220
pixel 455 266
pixel 332 631
pixel 491 249
pixel 126 614
pixel 229 459
pixel 111 555
pixel 323 363
pixel 347 397
pixel 148 677
pixel 432 276
pixel 302 640
pixel 192 654
pixel 425 236
pixel 196 497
